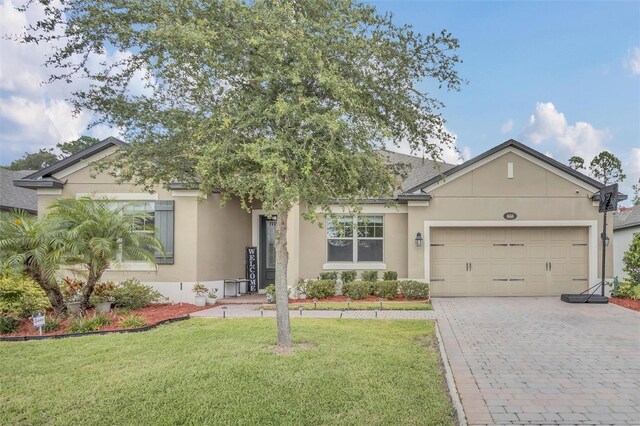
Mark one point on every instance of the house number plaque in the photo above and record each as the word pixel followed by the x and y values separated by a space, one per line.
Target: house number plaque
pixel 509 215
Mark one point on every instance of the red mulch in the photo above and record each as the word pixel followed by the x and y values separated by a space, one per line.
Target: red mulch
pixel 627 303
pixel 343 299
pixel 152 314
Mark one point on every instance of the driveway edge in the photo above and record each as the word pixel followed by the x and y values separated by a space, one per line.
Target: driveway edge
pixel 451 383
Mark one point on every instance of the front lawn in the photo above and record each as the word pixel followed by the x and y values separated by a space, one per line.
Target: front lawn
pixel 215 371
pixel 357 306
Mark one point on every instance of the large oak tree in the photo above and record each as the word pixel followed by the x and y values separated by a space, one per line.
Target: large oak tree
pixel 285 102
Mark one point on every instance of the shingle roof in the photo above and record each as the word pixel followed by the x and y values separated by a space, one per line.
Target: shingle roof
pixel 421 170
pixel 12 197
pixel 627 218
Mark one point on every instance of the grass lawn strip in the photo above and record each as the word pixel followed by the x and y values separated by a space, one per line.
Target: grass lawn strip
pixel 218 371
pixel 357 306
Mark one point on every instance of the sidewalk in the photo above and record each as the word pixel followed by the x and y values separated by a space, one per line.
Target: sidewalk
pixel 252 311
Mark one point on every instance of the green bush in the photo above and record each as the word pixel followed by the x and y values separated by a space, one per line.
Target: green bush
pixel 324 276
pixel 357 289
pixel 371 276
pixel 626 290
pixel 131 294
pixel 321 289
pixel 414 289
pixel 390 276
pixel 386 289
pixel 133 321
pixel 51 324
pixel 83 325
pixel 348 276
pixel 631 260
pixel 9 324
pixel 270 291
pixel 21 297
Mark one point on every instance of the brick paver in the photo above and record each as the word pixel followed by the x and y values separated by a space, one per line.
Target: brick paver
pixel 542 361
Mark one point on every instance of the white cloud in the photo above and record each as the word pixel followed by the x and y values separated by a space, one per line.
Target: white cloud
pixel 507 126
pixel 633 61
pixel 549 124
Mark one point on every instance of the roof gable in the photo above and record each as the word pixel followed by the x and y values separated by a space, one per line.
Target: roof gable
pixel 514 146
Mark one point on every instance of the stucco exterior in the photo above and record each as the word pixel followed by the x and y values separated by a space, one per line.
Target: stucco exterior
pixel 210 239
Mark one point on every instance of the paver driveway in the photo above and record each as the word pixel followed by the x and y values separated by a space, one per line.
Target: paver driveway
pixel 534 360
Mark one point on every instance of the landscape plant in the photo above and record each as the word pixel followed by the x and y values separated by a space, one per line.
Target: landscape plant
pixel 9 324
pixel 386 289
pixel 328 275
pixel 20 296
pixel 357 290
pixel 348 276
pixel 131 294
pixel 288 103
pixel 390 276
pixel 321 289
pixel 414 289
pixel 132 321
pixel 631 260
pixel 99 233
pixel 370 276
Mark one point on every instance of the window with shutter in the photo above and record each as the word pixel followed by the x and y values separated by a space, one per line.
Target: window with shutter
pixel 164 222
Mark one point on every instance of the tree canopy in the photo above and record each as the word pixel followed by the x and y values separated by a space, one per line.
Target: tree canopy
pixel 576 163
pixel 46 157
pixel 278 101
pixel 607 168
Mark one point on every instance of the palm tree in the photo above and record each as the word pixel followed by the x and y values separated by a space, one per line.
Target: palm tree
pixel 36 248
pixel 99 233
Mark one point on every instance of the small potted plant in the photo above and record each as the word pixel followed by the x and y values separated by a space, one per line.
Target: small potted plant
pixel 201 292
pixel 212 297
pixel 301 288
pixel 270 291
pixel 72 292
pixel 102 297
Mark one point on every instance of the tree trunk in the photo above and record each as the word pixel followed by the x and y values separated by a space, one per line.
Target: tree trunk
pixel 282 295
pixel 92 280
pixel 52 291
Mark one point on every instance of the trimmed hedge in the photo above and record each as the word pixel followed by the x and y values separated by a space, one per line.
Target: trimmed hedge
pixel 20 296
pixel 370 276
pixel 132 294
pixel 324 276
pixel 390 276
pixel 321 289
pixel 357 289
pixel 386 289
pixel 348 276
pixel 414 289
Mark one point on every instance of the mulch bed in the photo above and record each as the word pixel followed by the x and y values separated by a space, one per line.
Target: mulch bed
pixel 627 303
pixel 152 314
pixel 343 299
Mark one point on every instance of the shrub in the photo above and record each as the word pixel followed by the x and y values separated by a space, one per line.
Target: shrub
pixel 626 290
pixel 324 276
pixel 348 276
pixel 270 291
pixel 370 276
pixel 133 321
pixel 71 289
pixel 356 289
pixel 20 296
pixel 122 311
pixel 200 289
pixel 9 324
pixel 414 289
pixel 386 289
pixel 131 294
pixel 51 324
pixel 321 289
pixel 631 260
pixel 103 292
pixel 390 276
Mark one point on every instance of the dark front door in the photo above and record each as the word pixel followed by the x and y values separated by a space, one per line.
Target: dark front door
pixel 267 251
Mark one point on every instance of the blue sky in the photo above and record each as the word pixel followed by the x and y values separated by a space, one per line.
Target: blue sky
pixel 562 77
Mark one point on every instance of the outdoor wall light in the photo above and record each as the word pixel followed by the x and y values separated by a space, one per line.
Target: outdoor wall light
pixel 418 239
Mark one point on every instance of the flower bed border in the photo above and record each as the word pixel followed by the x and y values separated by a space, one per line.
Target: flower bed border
pixel 100 332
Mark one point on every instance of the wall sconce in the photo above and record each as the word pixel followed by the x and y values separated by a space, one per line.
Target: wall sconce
pixel 418 239
pixel 605 238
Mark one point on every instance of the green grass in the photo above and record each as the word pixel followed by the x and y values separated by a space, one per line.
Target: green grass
pixel 358 306
pixel 215 371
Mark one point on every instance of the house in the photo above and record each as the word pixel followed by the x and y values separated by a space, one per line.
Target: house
pixel 509 222
pixel 626 224
pixel 13 197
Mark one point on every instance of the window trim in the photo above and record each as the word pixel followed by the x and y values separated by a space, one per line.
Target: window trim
pixel 354 263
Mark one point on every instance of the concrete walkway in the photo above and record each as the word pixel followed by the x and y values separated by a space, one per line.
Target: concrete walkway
pixel 542 361
pixel 527 360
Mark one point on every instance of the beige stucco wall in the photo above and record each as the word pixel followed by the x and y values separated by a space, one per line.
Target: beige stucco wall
pixel 486 193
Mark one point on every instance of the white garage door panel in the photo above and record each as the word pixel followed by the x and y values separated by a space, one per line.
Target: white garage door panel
pixel 508 261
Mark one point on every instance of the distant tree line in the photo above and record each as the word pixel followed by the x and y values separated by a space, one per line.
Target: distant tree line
pixel 46 157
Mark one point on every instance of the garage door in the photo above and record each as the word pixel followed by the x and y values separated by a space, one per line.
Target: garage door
pixel 508 261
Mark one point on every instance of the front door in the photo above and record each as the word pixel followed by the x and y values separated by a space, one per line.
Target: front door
pixel 267 251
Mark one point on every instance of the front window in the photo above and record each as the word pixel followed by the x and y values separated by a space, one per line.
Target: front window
pixel 355 238
pixel 146 225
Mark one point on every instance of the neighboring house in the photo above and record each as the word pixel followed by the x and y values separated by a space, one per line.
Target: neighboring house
pixel 13 197
pixel 511 221
pixel 626 223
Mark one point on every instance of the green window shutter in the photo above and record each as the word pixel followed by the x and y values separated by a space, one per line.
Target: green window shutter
pixel 164 221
